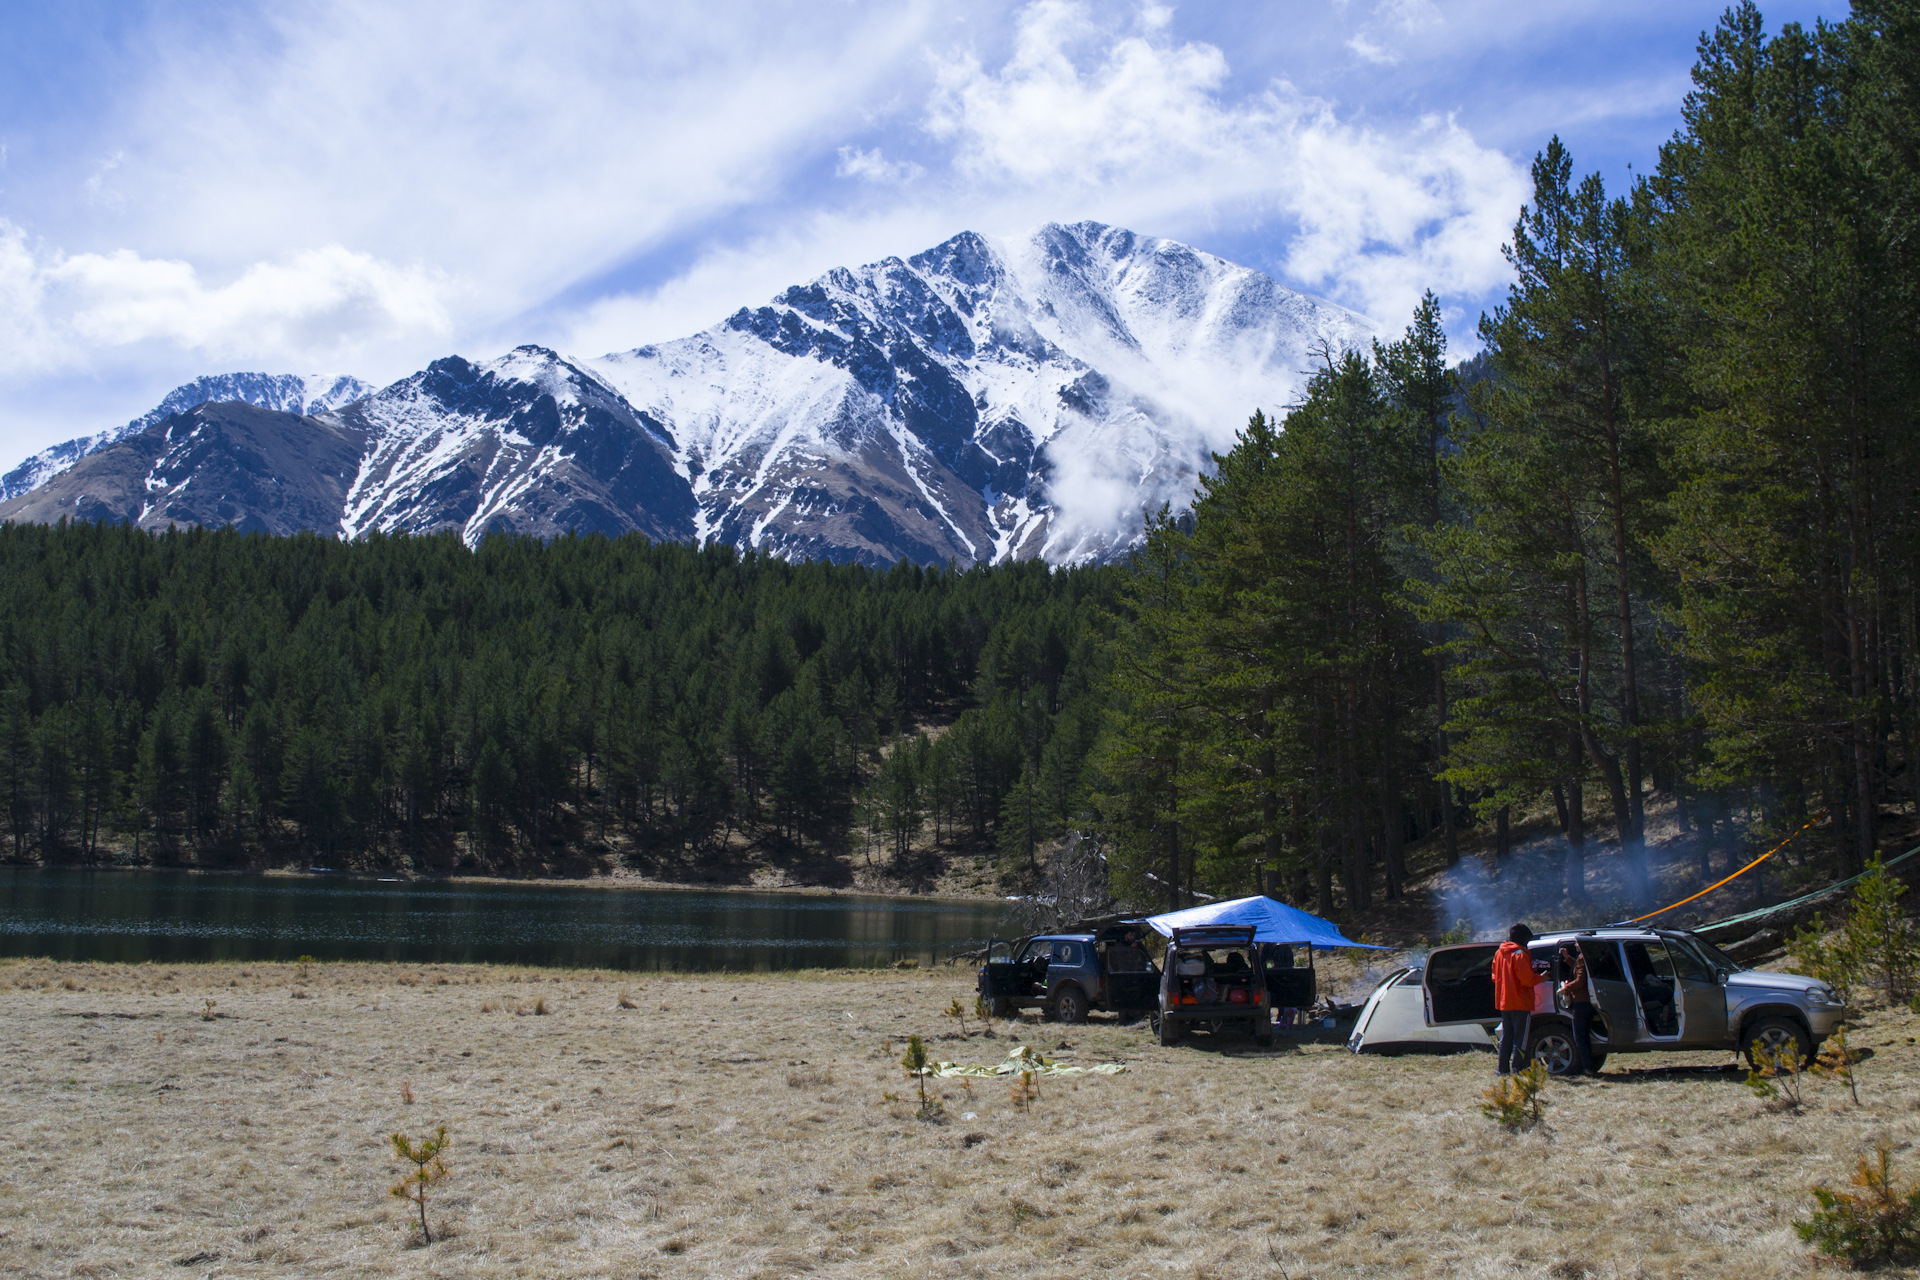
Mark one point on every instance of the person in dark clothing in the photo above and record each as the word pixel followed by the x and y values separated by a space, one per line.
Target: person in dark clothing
pixel 1579 997
pixel 1127 955
pixel 1513 982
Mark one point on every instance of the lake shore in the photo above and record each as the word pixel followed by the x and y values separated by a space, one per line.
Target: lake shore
pixel 621 878
pixel 232 1118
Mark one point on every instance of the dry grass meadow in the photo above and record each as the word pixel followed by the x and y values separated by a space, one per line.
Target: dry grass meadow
pixel 744 1126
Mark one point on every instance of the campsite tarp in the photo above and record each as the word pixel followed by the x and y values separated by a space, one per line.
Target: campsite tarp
pixel 1272 922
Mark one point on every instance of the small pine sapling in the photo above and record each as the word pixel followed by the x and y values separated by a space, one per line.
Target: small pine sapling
pixel 1878 1223
pixel 1514 1102
pixel 914 1062
pixel 983 1012
pixel 1025 1091
pixel 428 1168
pixel 1836 1061
pixel 303 962
pixel 959 1015
pixel 1775 1077
pixel 1880 934
pixel 207 1014
pixel 406 1092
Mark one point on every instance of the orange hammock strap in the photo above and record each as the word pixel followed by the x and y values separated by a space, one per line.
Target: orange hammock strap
pixel 1736 875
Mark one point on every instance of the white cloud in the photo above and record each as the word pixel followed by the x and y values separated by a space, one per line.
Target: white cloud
pixel 62 310
pixel 873 166
pixel 1372 52
pixel 1086 116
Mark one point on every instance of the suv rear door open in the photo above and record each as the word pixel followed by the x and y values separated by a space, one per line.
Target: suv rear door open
pixel 1703 1002
pixel 1457 987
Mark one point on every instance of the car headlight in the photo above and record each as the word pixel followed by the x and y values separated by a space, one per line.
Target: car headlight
pixel 1820 995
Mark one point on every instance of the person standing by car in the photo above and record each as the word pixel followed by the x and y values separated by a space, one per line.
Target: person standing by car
pixel 1579 997
pixel 1513 984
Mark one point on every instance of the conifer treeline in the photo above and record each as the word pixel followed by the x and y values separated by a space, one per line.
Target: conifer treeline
pixel 208 695
pixel 1665 540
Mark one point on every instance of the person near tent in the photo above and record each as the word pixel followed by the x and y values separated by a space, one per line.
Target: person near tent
pixel 1513 982
pixel 1579 997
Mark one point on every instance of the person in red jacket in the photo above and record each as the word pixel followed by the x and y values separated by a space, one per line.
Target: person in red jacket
pixel 1513 984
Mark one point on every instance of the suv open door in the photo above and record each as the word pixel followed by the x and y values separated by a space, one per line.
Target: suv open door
pixel 1457 987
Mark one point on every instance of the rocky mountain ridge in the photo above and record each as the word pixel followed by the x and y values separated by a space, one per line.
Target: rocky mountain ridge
pixel 981 401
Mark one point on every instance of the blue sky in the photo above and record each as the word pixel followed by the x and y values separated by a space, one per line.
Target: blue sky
pixel 356 186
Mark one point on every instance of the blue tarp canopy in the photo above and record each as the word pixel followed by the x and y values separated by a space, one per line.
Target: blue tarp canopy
pixel 1272 922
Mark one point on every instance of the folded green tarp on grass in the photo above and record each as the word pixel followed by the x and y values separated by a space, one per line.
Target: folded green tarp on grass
pixel 1022 1060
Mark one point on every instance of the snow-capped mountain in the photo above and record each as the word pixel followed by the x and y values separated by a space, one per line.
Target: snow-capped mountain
pixel 286 392
pixel 981 401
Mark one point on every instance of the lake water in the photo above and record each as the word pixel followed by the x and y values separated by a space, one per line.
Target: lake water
pixel 134 916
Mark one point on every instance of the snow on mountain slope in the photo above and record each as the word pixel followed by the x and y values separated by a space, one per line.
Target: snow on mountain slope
pixel 528 443
pixel 284 392
pixel 981 401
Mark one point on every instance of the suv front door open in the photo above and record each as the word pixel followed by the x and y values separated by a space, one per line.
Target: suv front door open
pixel 1005 979
pixel 1457 987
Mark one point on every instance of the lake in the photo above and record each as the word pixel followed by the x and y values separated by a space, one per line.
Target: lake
pixel 135 916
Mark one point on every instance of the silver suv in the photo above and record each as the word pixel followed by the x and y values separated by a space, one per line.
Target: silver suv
pixel 1653 989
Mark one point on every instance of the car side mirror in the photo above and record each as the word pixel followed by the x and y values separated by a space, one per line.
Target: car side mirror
pixel 1720 976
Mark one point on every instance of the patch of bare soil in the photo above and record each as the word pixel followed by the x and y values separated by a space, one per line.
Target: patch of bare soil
pixel 761 1126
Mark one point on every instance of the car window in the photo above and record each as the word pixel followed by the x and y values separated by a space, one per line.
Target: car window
pixel 1603 960
pixel 1715 956
pixel 1688 963
pixel 1066 953
pixel 1648 960
pixel 1038 949
pixel 1459 965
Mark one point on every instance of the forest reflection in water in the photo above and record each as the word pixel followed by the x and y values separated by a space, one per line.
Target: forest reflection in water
pixel 135 916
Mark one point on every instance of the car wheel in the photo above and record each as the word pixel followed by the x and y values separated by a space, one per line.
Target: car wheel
pixel 1553 1045
pixel 1599 1061
pixel 1070 1006
pixel 1168 1030
pixel 1774 1035
pixel 1003 1008
pixel 1263 1031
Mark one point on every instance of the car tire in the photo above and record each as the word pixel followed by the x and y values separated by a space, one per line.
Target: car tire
pixel 1070 1006
pixel 1169 1031
pixel 1553 1045
pixel 1775 1033
pixel 1263 1032
pixel 1599 1061
pixel 1003 1009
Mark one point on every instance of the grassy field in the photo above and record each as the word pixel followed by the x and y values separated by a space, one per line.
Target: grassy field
pixel 747 1126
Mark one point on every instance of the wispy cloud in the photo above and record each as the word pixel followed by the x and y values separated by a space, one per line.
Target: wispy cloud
pixel 873 166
